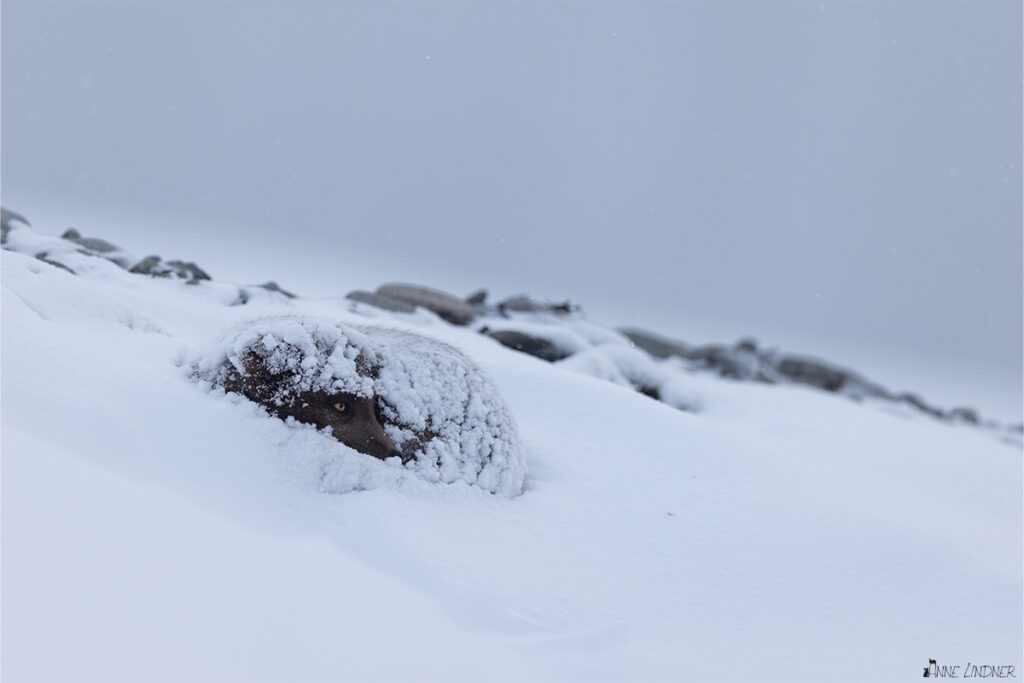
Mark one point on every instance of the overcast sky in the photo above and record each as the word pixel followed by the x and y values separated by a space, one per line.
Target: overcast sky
pixel 843 178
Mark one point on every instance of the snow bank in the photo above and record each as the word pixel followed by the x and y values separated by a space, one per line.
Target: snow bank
pixel 154 532
pixel 435 403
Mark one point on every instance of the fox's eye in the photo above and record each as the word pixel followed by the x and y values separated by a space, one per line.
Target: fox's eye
pixel 341 407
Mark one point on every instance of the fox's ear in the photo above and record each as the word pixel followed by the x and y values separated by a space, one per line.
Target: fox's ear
pixel 366 365
pixel 254 380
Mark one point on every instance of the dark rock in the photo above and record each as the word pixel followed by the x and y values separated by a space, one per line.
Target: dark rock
pixel 90 243
pixel 44 257
pixel 477 298
pixel 858 387
pixel 746 344
pixel 812 372
pixel 650 391
pixel 746 361
pixel 6 217
pixel 727 362
pixel 657 346
pixel 452 309
pixel 93 246
pixel 534 346
pixel 274 287
pixel 245 294
pixel 706 354
pixel 737 364
pixel 154 266
pixel 527 304
pixel 187 269
pixel 387 303
pixel 148 266
pixel 961 414
pixel 917 402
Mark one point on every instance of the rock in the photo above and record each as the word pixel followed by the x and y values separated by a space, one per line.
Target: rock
pixel 527 304
pixel 245 295
pixel 102 248
pixel 961 414
pixel 91 243
pixel 148 266
pixel 272 286
pixel 450 308
pixel 477 298
pixel 649 391
pixel 154 266
pixel 727 362
pixel 187 269
pixel 534 346
pixel 6 217
pixel 858 387
pixel 746 344
pixel 45 258
pixel 917 402
pixel 741 361
pixel 812 372
pixel 656 345
pixel 744 360
pixel 386 303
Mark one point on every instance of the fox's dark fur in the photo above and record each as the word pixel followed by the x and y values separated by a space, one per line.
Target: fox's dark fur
pixel 356 421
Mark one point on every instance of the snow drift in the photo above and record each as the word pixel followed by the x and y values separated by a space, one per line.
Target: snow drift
pixel 155 532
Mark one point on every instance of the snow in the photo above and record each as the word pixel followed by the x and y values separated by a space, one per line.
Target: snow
pixel 312 355
pixel 156 531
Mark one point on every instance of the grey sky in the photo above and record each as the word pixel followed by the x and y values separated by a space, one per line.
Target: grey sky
pixel 838 176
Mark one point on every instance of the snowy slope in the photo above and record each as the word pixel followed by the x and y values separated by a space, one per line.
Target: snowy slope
pixel 155 531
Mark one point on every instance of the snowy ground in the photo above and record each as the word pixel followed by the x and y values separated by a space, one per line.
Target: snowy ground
pixel 154 531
